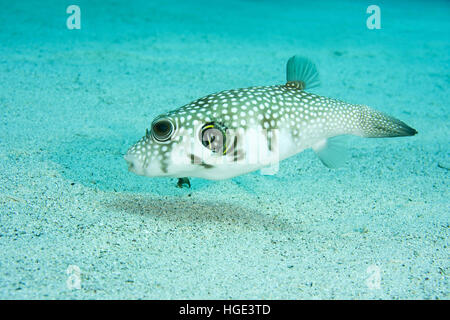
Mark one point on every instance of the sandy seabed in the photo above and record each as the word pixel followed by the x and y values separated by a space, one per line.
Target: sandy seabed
pixel 73 101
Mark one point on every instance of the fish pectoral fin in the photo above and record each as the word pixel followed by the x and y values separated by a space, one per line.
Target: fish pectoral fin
pixel 301 73
pixel 332 152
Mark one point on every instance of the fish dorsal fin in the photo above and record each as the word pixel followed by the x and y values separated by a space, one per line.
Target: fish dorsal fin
pixel 301 73
pixel 332 152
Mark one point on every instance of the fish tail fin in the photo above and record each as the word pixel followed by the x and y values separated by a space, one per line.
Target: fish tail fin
pixel 376 124
pixel 366 122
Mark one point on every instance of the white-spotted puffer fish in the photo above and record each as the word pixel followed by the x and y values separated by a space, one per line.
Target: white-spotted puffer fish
pixel 234 132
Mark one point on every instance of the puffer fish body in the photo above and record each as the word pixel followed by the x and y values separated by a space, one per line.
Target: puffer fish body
pixel 237 131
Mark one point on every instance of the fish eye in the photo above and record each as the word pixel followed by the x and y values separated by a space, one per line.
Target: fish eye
pixel 162 130
pixel 213 136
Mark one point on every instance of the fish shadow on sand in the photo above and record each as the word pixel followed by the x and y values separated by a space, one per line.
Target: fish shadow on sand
pixel 196 214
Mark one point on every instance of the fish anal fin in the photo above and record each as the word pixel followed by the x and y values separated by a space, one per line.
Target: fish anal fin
pixel 332 152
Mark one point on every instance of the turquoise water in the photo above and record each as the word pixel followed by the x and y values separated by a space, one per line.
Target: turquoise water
pixel 74 223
